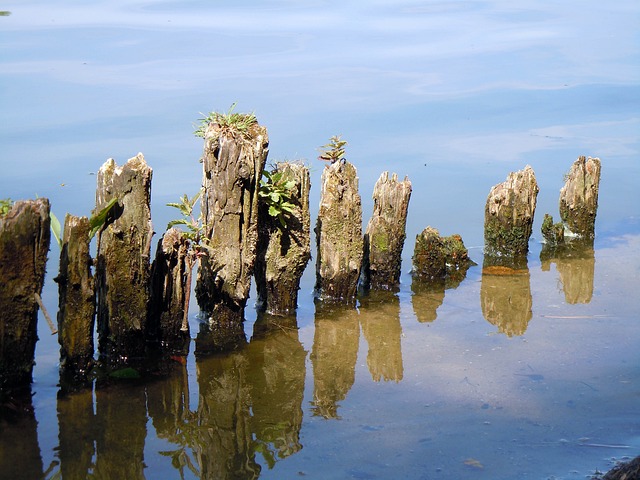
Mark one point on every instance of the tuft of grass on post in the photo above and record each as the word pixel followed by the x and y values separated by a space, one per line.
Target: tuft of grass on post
pixel 234 123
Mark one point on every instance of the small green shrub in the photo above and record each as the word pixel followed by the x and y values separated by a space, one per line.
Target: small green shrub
pixel 235 123
pixel 276 193
pixel 5 206
pixel 334 150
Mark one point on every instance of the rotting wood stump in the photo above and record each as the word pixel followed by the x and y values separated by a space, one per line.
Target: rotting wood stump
pixel 77 299
pixel 168 327
pixel 436 257
pixel 509 212
pixel 284 250
pixel 123 265
pixel 24 244
pixel 386 232
pixel 339 234
pixel 579 197
pixel 233 162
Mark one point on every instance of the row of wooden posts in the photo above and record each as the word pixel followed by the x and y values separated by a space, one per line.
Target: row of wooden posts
pixel 138 303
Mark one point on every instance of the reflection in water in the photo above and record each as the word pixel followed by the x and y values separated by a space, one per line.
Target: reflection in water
pixel 505 295
pixel 380 320
pixel 575 262
pixel 120 426
pixel 428 293
pixel 334 355
pixel 19 450
pixel 76 433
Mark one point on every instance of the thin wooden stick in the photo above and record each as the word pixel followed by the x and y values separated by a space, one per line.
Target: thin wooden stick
pixel 53 328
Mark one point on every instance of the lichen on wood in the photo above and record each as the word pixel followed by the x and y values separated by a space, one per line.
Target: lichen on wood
pixel 77 299
pixel 579 196
pixel 232 166
pixel 509 213
pixel 385 233
pixel 123 264
pixel 284 251
pixel 339 233
pixel 24 244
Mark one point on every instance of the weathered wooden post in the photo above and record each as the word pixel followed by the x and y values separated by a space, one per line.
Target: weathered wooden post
pixel 339 233
pixel 436 257
pixel 579 197
pixel 283 238
pixel 24 244
pixel 385 233
pixel 509 211
pixel 233 162
pixel 77 299
pixel 171 270
pixel 123 270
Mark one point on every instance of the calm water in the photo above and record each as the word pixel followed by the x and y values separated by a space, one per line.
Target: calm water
pixel 535 376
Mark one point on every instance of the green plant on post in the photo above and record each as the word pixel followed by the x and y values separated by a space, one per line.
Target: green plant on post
pixel 276 193
pixel 334 150
pixel 5 206
pixel 233 123
pixel 96 222
pixel 195 232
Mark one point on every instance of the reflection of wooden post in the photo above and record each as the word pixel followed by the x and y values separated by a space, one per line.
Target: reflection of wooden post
pixel 24 243
pixel 575 263
pixel 283 252
pixel 233 163
pixel 76 421
pixel 77 307
pixel 339 233
pixel 579 196
pixel 509 211
pixel 122 273
pixel 169 292
pixel 385 234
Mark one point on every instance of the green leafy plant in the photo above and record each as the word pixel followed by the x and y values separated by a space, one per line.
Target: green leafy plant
pixel 5 206
pixel 96 221
pixel 234 123
pixel 276 193
pixel 334 150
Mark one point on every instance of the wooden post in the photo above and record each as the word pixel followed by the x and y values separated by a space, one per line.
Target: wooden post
pixel 122 273
pixel 436 257
pixel 284 251
pixel 24 244
pixel 77 300
pixel 168 326
pixel 233 162
pixel 579 197
pixel 509 211
pixel 339 233
pixel 385 234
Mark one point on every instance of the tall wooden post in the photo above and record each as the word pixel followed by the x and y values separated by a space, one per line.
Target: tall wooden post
pixel 77 300
pixel 579 197
pixel 509 211
pixel 339 233
pixel 385 234
pixel 24 244
pixel 233 162
pixel 123 270
pixel 284 250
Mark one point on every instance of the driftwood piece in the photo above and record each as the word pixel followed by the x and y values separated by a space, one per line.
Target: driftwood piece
pixel 579 197
pixel 77 299
pixel 123 271
pixel 509 212
pixel 339 233
pixel 24 244
pixel 233 162
pixel 284 251
pixel 385 233
pixel 168 326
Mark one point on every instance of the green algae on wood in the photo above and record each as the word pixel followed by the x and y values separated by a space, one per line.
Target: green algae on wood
pixel 24 244
pixel 339 233
pixel 579 196
pixel 123 264
pixel 437 257
pixel 284 251
pixel 509 213
pixel 385 233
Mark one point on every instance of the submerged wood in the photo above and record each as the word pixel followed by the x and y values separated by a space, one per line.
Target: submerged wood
pixel 385 233
pixel 123 270
pixel 579 197
pixel 436 257
pixel 24 244
pixel 339 233
pixel 284 251
pixel 170 287
pixel 77 299
pixel 509 212
pixel 233 162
